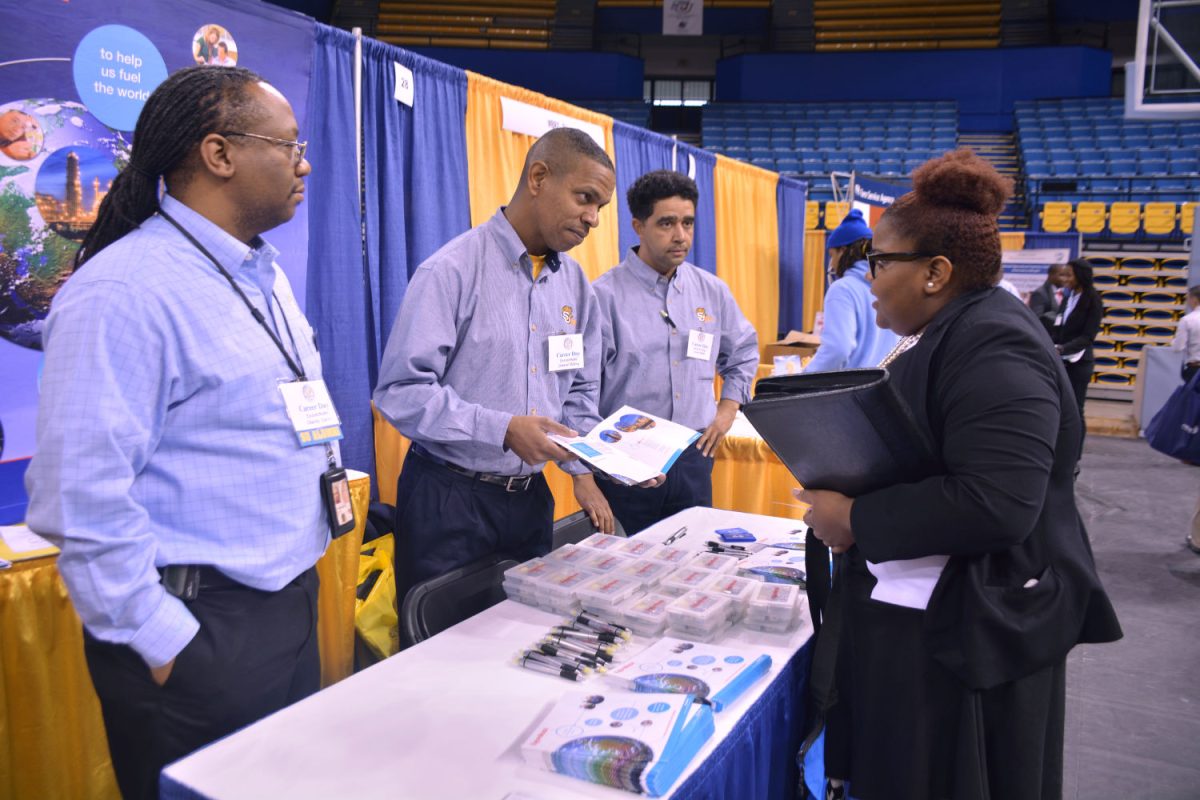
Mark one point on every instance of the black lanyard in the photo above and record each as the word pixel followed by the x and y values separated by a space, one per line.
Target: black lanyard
pixel 296 365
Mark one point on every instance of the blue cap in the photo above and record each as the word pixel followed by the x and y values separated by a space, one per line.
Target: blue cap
pixel 853 228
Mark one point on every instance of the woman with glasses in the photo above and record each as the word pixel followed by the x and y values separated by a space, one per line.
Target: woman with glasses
pixel 962 587
pixel 850 339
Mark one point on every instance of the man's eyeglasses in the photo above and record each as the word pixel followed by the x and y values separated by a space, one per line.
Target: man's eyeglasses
pixel 298 147
pixel 874 257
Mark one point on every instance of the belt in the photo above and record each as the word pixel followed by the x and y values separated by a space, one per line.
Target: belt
pixel 510 483
pixel 185 581
pixel 1193 364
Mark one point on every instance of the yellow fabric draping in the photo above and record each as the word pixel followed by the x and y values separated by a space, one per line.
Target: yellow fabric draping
pixel 814 276
pixel 495 158
pixel 749 477
pixel 748 241
pixel 52 741
pixel 338 571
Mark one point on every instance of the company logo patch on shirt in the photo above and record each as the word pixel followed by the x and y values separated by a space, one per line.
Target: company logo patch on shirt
pixel 568 315
pixel 704 316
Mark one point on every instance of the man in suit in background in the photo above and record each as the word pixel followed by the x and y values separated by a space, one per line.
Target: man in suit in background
pixel 1045 300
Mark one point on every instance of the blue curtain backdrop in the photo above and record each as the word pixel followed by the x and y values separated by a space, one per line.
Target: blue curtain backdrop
pixel 791 195
pixel 704 247
pixel 638 151
pixel 415 170
pixel 337 287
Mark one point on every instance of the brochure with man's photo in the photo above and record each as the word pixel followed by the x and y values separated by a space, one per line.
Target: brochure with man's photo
pixel 631 446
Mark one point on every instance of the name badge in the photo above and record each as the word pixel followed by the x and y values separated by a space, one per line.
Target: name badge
pixel 566 352
pixel 310 408
pixel 700 344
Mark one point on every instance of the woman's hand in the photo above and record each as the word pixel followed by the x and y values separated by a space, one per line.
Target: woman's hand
pixel 829 517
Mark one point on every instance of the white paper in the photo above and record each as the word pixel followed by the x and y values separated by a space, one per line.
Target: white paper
pixel 683 17
pixel 566 352
pixel 405 88
pixel 22 540
pixel 311 410
pixel 530 120
pixel 908 582
pixel 700 344
pixel 631 446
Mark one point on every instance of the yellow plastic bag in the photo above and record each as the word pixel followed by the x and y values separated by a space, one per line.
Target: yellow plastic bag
pixel 375 616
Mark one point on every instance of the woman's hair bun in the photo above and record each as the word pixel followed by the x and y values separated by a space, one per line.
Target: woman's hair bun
pixel 964 180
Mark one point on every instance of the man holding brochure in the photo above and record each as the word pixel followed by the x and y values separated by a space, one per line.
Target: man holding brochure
pixel 669 328
pixel 496 345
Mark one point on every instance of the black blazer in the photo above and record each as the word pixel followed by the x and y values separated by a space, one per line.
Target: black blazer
pixel 1043 303
pixel 1078 331
pixel 988 388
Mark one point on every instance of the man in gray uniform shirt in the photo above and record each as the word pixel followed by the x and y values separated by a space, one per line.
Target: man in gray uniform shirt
pixel 498 343
pixel 669 329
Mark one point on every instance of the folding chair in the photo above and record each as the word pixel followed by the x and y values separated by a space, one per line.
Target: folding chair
pixel 439 603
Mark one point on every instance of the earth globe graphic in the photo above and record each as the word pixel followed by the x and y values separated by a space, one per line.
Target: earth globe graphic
pixel 39 234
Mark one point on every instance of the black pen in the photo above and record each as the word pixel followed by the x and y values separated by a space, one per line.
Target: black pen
pixel 668 320
pixel 541 666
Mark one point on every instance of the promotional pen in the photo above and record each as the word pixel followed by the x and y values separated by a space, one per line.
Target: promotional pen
pixel 547 669
pixel 667 319
pixel 564 659
pixel 571 656
pixel 679 534
pixel 592 621
pixel 590 636
pixel 595 653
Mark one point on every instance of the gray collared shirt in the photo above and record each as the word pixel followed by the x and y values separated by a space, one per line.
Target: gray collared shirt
pixel 645 357
pixel 469 349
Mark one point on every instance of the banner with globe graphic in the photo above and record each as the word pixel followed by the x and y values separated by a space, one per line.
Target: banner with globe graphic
pixel 73 79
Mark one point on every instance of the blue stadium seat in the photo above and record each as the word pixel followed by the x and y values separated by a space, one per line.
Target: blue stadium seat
pixel 1149 166
pixel 1122 167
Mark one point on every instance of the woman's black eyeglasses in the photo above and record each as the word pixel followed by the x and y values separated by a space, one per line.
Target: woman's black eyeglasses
pixel 874 257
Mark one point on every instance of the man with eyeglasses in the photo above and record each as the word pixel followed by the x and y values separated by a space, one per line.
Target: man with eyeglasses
pixel 188 509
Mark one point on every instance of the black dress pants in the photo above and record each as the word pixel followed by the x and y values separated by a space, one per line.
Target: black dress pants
pixel 255 653
pixel 1080 375
pixel 689 483
pixel 445 520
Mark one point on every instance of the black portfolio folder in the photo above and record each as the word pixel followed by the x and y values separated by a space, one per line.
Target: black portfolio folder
pixel 846 431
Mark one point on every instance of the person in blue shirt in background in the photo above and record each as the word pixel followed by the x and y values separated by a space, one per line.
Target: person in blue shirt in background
pixel 850 338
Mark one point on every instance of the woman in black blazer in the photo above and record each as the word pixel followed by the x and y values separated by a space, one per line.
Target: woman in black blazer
pixel 1075 329
pixel 964 586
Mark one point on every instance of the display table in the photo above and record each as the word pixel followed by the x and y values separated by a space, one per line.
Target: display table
pixel 446 718
pixel 52 741
pixel 747 475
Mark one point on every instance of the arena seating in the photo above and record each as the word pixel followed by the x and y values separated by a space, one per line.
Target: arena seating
pixel 1088 169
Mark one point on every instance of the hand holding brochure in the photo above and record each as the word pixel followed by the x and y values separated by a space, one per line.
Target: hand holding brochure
pixel 637 742
pixel 631 446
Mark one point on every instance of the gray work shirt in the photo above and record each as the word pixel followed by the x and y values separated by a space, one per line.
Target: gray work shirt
pixel 469 349
pixel 645 358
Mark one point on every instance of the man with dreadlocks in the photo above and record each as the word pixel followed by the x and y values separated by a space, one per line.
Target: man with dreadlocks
pixel 167 469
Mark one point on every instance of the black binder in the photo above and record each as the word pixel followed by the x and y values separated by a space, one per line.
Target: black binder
pixel 846 431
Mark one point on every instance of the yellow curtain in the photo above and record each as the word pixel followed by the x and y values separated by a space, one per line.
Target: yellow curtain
pixel 814 276
pixel 749 477
pixel 748 241
pixel 52 741
pixel 495 157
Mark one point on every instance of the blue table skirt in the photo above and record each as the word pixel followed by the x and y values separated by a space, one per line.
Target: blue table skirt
pixel 757 760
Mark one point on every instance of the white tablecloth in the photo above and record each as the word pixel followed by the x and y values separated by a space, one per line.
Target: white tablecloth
pixel 444 719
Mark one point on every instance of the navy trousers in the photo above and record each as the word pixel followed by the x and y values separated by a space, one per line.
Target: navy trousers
pixel 445 520
pixel 689 483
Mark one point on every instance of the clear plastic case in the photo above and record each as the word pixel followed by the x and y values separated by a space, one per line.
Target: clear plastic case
pixel 699 615
pixel 646 615
pixel 738 590
pixel 570 554
pixel 520 581
pixel 717 562
pixel 559 591
pixel 675 556
pixel 603 594
pixel 639 548
pixel 647 571
pixel 773 607
pixel 606 562
pixel 602 541
pixel 686 579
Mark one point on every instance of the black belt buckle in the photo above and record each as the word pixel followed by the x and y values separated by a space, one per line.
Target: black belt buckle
pixel 182 581
pixel 522 480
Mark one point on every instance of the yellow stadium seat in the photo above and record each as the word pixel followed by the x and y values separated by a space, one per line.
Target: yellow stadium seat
pixel 1124 218
pixel 812 214
pixel 835 213
pixel 1187 217
pixel 1159 219
pixel 1090 217
pixel 1056 217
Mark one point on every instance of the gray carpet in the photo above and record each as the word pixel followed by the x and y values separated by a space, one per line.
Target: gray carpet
pixel 1133 707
